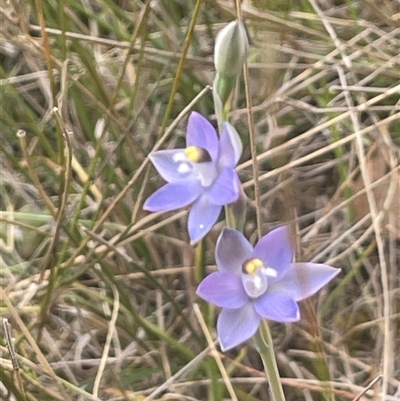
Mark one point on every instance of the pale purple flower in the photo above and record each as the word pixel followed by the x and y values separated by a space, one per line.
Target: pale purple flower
pixel 203 174
pixel 252 284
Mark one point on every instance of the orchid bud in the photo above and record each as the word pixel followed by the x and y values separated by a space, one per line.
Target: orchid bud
pixel 231 46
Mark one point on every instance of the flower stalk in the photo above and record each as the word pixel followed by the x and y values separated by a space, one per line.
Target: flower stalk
pixel 264 345
pixel 235 213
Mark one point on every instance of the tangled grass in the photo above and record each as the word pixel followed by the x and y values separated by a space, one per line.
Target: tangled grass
pixel 98 295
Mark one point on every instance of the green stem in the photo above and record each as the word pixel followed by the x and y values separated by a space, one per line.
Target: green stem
pixel 263 341
pixel 229 217
pixel 199 271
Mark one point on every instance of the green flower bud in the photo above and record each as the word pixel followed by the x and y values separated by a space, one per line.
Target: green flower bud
pixel 230 52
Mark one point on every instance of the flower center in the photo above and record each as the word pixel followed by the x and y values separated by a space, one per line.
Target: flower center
pixel 202 164
pixel 196 154
pixel 255 277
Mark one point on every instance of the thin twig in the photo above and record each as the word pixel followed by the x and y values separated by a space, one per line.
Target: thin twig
pixel 110 334
pixel 166 385
pixel 253 146
pixel 13 356
pixel 182 60
pixel 370 385
pixel 214 352
pixel 21 134
pixel 41 358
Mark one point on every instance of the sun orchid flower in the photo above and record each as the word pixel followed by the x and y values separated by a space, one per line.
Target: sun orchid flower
pixel 252 284
pixel 203 174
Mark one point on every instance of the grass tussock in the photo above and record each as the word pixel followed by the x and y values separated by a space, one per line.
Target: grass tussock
pixel 100 295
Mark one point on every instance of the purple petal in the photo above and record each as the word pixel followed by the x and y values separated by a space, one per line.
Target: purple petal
pixel 201 218
pixel 231 251
pixel 173 196
pixel 304 280
pixel 235 326
pixel 230 147
pixel 225 188
pixel 275 250
pixel 223 289
pixel 278 307
pixel 202 134
pixel 173 165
